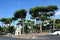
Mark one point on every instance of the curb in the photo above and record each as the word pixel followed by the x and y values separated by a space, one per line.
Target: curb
pixel 29 37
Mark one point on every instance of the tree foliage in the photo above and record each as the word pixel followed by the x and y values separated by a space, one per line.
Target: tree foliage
pixel 57 21
pixel 11 29
pixel 6 20
pixel 20 13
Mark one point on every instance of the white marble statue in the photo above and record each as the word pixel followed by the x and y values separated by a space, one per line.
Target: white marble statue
pixel 18 30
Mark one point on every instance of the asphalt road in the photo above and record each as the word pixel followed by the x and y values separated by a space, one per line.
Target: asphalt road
pixel 46 37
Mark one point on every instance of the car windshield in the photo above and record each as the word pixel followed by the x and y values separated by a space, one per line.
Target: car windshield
pixel 55 30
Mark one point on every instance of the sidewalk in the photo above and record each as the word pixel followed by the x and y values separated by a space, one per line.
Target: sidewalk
pixel 29 35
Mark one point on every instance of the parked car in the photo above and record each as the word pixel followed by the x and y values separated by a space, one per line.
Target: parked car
pixel 55 33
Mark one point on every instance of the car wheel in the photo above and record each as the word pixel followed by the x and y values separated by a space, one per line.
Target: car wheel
pixel 57 33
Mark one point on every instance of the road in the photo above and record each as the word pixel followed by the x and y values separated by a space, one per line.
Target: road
pixel 46 37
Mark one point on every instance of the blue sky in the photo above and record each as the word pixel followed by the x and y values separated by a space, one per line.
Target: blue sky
pixel 8 7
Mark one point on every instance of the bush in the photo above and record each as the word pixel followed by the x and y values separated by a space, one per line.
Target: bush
pixel 1 31
pixel 57 26
pixel 11 29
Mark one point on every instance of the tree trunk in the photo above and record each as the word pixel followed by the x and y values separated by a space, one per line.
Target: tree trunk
pixel 54 23
pixel 23 26
pixel 53 20
pixel 41 28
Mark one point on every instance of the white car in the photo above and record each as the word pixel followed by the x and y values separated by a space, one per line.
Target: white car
pixel 55 33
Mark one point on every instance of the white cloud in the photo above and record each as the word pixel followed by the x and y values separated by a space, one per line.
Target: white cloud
pixel 57 13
